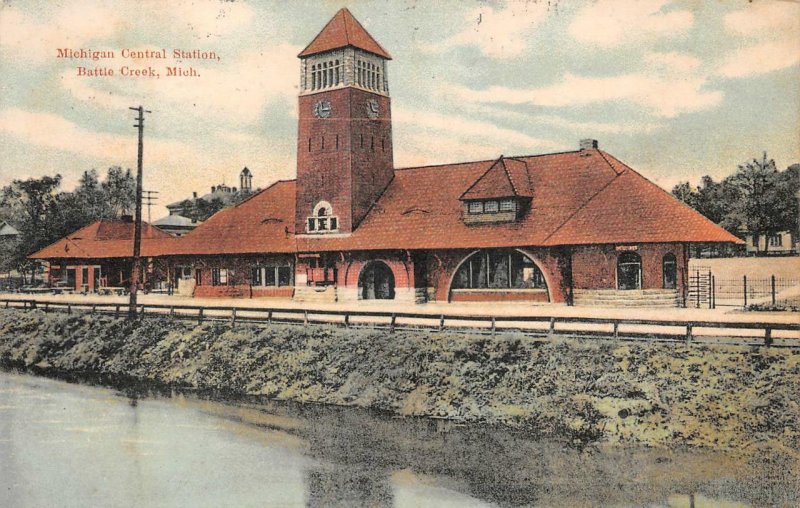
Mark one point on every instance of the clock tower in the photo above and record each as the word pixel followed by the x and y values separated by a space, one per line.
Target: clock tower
pixel 344 139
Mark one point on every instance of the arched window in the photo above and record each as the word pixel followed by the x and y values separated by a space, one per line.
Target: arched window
pixel 670 271
pixel 322 219
pixel 629 271
pixel 498 269
pixel 376 281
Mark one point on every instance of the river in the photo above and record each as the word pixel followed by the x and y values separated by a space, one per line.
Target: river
pixel 64 444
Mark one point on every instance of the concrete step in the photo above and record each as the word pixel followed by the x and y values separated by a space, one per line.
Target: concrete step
pixel 627 298
pixel 315 294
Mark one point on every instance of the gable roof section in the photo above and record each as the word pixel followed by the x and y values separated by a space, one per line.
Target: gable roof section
pixel 106 239
pixel 506 178
pixel 341 31
pixel 257 225
pixel 631 209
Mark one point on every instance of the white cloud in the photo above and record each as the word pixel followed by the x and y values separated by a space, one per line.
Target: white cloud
pixel 611 23
pixel 660 95
pixel 468 131
pixel 761 59
pixel 499 33
pixel 765 19
pixel 774 31
pixel 26 38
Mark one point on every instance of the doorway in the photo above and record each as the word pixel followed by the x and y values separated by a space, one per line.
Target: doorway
pixel 376 281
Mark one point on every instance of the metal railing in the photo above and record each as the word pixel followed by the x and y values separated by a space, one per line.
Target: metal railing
pixel 706 332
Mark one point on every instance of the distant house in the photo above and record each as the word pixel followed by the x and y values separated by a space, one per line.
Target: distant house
pixel 227 195
pixel 7 231
pixel 781 243
pixel 176 225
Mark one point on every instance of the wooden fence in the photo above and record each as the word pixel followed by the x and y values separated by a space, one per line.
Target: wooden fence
pixel 707 332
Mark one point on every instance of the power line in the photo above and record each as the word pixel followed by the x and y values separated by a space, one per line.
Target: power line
pixel 149 199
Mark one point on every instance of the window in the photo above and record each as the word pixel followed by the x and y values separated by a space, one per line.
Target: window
pixel 755 240
pixel 271 276
pixel 775 241
pixel 490 207
pixel 219 277
pixel 322 220
pixel 499 269
pixel 507 205
pixel 476 207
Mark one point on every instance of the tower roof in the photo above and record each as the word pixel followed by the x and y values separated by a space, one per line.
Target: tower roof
pixel 341 31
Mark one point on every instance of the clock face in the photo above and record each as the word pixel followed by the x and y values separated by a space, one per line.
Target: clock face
pixel 322 109
pixel 372 108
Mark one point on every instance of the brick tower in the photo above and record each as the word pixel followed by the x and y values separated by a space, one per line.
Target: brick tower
pixel 344 139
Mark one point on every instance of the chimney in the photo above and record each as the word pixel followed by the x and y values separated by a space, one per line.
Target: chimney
pixel 194 194
pixel 213 188
pixel 588 144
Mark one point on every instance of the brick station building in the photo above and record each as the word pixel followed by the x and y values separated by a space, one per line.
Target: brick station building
pixel 572 227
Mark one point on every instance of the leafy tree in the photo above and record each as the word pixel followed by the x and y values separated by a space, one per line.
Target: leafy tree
pixel 757 198
pixel 31 203
pixel 119 189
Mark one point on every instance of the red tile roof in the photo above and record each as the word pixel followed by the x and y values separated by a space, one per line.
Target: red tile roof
pixel 262 223
pixel 341 31
pixel 106 239
pixel 577 198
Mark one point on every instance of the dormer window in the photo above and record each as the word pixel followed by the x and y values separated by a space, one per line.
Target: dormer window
pixel 502 194
pixel 323 220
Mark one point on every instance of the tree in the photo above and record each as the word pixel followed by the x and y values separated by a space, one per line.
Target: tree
pixel 120 191
pixel 757 206
pixel 32 204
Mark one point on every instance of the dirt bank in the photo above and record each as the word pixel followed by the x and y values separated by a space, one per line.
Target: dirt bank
pixel 727 398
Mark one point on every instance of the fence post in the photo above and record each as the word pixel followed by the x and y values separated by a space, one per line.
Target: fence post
pixel 688 332
pixel 441 323
pixel 233 317
pixel 391 325
pixel 713 292
pixel 710 289
pixel 616 329
pixel 305 316
pixel 69 308
pixel 744 278
pixel 269 317
pixel 768 336
pixel 116 311
pixel 494 326
pixel 552 326
pixel 773 289
pixel 200 316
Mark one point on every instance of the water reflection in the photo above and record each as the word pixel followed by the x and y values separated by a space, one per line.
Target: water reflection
pixel 71 445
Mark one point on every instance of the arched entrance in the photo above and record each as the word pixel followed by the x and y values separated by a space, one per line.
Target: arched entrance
pixel 376 281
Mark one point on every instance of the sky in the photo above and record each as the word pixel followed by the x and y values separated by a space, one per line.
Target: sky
pixel 677 90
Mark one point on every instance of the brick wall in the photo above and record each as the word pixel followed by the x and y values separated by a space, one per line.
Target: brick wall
pixel 595 267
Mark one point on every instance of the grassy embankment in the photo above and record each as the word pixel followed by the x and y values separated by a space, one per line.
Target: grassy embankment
pixel 724 397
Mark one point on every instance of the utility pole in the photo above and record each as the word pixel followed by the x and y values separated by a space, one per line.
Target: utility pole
pixel 137 235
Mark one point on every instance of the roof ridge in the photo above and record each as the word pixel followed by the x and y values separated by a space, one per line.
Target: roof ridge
pixel 603 155
pixel 508 175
